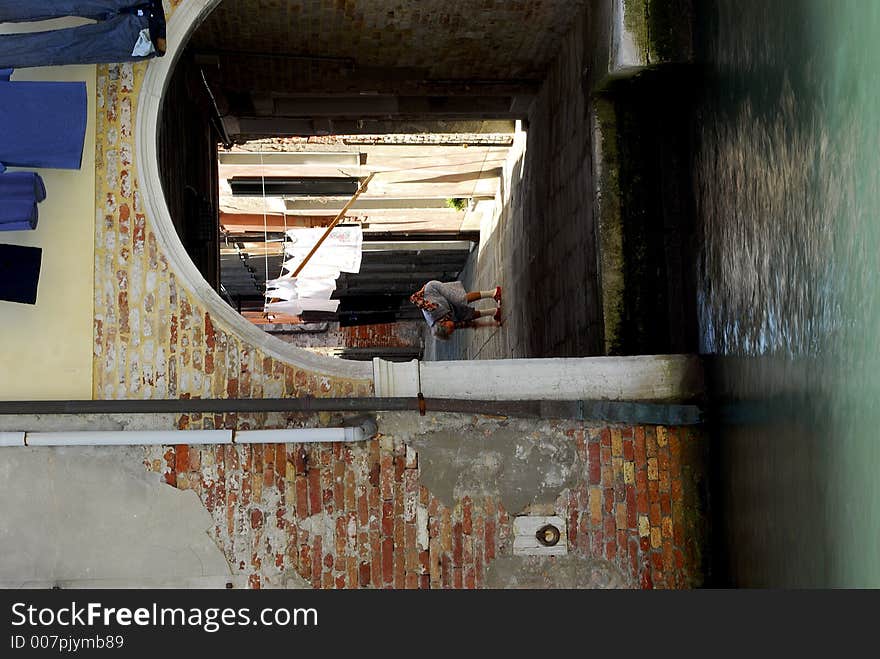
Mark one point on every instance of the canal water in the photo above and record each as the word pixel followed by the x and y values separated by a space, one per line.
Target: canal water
pixel 786 175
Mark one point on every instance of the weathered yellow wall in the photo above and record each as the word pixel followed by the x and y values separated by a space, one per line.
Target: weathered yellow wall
pixel 46 348
pixel 112 319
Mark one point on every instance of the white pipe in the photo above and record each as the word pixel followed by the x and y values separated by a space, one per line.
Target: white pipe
pixel 128 437
pixel 192 437
pixel 300 435
pixel 11 439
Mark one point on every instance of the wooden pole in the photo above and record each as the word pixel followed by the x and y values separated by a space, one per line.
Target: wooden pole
pixel 333 224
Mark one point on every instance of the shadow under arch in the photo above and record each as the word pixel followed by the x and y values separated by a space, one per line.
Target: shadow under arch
pixel 186 18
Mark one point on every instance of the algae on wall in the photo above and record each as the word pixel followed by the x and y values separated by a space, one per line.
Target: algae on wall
pixel 606 168
pixel 642 146
pixel 660 30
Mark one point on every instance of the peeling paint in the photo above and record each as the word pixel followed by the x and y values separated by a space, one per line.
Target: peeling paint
pixel 516 461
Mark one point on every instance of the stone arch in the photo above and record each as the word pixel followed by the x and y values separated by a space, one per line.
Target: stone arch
pixel 187 16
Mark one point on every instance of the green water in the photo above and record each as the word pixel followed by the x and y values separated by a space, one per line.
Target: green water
pixel 787 184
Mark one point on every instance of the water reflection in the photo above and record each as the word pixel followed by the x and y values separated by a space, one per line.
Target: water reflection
pixel 786 172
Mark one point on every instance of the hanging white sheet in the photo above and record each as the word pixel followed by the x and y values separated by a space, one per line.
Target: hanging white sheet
pixel 290 288
pixel 342 248
pixel 311 289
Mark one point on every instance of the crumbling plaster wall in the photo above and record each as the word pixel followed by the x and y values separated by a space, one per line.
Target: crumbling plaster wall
pixel 153 337
pixel 93 517
pixel 430 504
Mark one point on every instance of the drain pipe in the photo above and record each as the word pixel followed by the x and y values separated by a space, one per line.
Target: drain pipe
pixel 363 432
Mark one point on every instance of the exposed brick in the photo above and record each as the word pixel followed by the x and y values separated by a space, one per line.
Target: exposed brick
pixel 457 544
pixel 597 543
pixel 654 491
pixel 302 497
pixel 339 485
pixel 610 526
pixel 388 560
pixel 300 460
pixel 411 552
pixel 631 507
pixel 655 514
pixel 651 442
pixel 595 466
pixel 181 456
pixel 377 568
pixel 490 539
pixel 616 443
pixel 611 549
pixel 653 469
pixel 387 476
pixel 665 503
pixel 596 505
pixel 628 450
pixel 608 499
pixel 315 491
pixel 350 491
pixel 620 516
pixel 466 515
pixel 656 560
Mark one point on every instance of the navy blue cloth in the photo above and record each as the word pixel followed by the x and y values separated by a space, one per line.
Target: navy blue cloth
pixel 19 273
pixel 20 192
pixel 42 124
pixel 111 39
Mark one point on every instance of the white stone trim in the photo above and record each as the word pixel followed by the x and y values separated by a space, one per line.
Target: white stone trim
pixel 656 378
pixel 396 379
pixel 186 18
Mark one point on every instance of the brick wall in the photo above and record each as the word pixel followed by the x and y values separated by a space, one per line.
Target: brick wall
pixel 385 335
pixel 543 250
pixel 443 39
pixel 358 515
pixel 556 206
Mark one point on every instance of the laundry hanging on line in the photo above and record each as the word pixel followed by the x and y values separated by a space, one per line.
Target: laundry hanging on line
pixel 42 124
pixel 125 31
pixel 20 192
pixel 342 248
pixel 314 285
pixel 300 287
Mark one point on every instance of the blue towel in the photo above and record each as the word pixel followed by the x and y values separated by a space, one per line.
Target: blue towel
pixel 19 273
pixel 42 124
pixel 20 192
